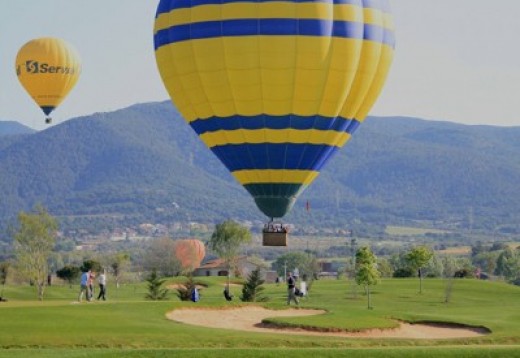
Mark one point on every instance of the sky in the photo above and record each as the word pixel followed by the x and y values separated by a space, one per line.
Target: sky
pixel 455 60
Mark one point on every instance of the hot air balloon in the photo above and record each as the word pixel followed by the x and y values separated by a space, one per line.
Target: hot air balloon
pixel 48 68
pixel 274 88
pixel 190 252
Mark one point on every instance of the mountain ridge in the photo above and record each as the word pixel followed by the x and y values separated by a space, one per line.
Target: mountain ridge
pixel 143 163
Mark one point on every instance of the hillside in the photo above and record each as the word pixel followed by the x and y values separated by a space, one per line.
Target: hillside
pixel 11 131
pixel 128 164
pixel 143 163
pixel 398 169
pixel 8 128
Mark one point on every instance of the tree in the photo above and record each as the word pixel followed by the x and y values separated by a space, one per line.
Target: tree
pixel 306 264
pixel 487 261
pixel 119 264
pixel 403 272
pixel 450 267
pixel 498 246
pixel 434 267
pixel 252 288
pixel 258 262
pixel 34 241
pixel 478 249
pixel 464 268
pixel 384 267
pixel 400 266
pixel 161 257
pixel 4 271
pixel 508 264
pixel 366 270
pixel 69 273
pixel 155 290
pixel 226 241
pixel 55 260
pixel 91 265
pixel 417 258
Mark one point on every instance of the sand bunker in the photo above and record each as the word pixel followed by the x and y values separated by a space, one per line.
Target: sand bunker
pixel 250 319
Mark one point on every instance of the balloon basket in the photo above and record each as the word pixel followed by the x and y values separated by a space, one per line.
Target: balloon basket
pixel 274 239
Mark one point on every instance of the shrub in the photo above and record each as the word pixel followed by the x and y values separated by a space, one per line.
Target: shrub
pixel 184 291
pixel 155 290
pixel 251 291
pixel 404 272
pixel 462 273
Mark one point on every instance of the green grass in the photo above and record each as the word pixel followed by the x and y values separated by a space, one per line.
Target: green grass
pixel 387 352
pixel 411 231
pixel 129 326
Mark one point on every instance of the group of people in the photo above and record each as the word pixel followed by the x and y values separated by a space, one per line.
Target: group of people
pixel 270 227
pixel 87 286
pixel 88 278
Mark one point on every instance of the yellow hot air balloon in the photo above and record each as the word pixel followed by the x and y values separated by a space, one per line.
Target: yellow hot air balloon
pixel 274 88
pixel 48 68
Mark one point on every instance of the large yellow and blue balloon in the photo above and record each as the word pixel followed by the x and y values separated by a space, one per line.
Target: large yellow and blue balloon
pixel 274 88
pixel 48 68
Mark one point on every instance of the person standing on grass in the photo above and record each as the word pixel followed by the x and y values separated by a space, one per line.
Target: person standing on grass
pixel 90 285
pixel 84 286
pixel 291 289
pixel 102 280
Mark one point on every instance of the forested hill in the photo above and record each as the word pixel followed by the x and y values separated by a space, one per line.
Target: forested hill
pixel 12 128
pixel 143 163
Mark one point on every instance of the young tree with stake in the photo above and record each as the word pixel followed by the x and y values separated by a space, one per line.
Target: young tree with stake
pixel 366 270
pixel 34 241
pixel 417 258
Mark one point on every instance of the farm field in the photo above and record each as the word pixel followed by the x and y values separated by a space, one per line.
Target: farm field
pixel 127 325
pixel 411 231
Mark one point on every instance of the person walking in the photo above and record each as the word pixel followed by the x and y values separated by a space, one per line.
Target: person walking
pixel 102 280
pixel 84 286
pixel 90 286
pixel 291 289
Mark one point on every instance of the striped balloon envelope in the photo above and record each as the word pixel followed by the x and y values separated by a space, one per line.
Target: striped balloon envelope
pixel 274 88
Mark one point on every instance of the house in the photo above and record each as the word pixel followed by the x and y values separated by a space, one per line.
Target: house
pixel 218 267
pixel 329 269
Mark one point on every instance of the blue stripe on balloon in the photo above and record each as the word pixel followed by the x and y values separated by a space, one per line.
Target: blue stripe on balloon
pixel 166 6
pixel 48 109
pixel 274 156
pixel 213 124
pixel 273 27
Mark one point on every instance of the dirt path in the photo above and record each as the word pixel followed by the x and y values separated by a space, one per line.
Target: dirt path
pixel 250 318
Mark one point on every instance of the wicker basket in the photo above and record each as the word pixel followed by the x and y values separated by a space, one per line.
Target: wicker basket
pixel 274 239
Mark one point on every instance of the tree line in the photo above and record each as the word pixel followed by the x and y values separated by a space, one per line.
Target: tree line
pixel 36 236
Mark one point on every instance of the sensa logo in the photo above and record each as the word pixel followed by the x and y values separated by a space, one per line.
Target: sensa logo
pixel 35 67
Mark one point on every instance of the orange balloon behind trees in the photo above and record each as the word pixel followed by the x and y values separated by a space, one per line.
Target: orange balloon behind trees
pixel 190 252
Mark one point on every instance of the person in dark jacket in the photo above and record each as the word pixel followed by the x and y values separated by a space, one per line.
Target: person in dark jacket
pixel 291 289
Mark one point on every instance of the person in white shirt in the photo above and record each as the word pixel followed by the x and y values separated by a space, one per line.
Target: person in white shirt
pixel 102 280
pixel 303 288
